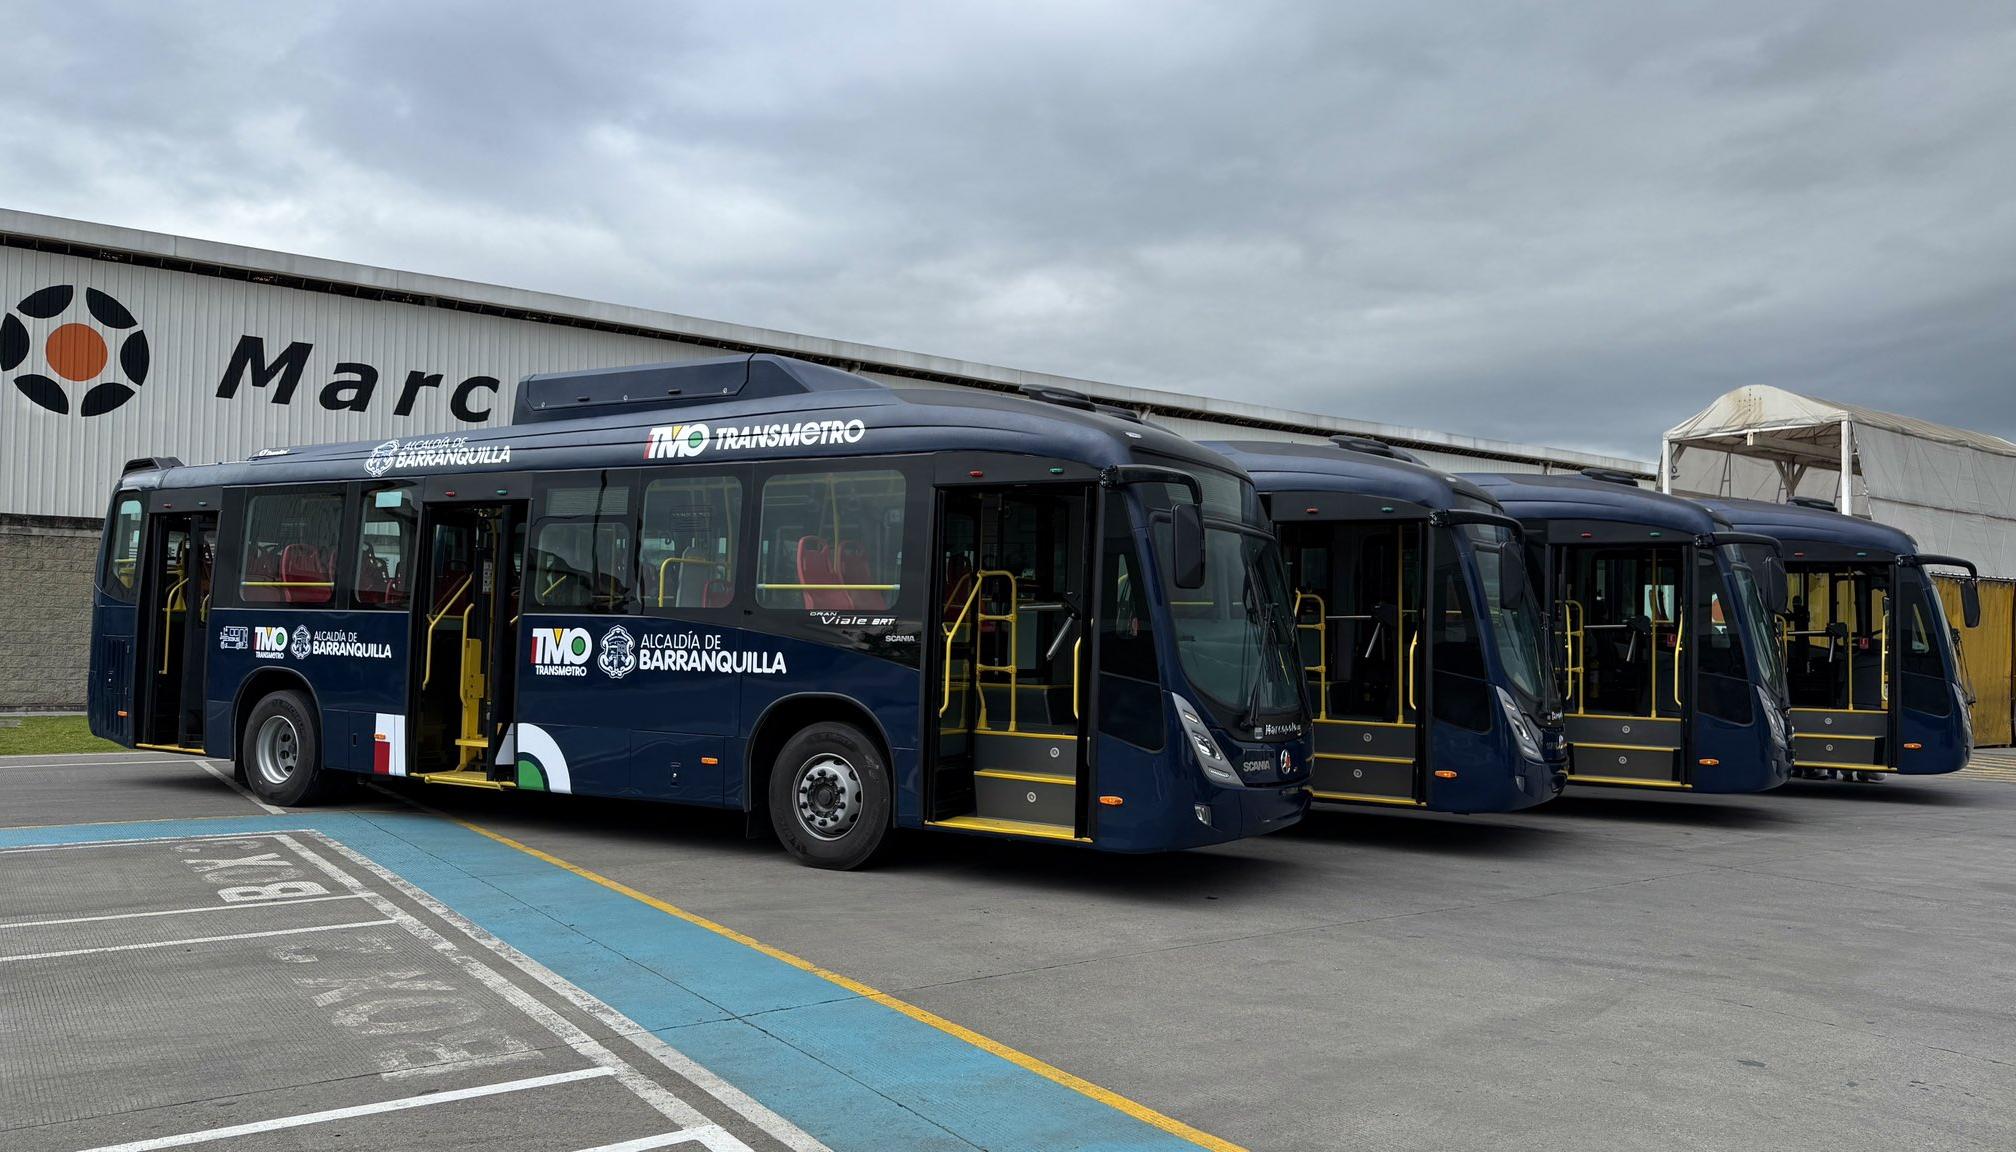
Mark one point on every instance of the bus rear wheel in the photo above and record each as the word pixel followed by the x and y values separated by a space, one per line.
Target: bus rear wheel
pixel 280 751
pixel 829 796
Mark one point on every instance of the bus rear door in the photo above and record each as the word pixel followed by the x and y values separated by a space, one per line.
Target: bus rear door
pixel 465 627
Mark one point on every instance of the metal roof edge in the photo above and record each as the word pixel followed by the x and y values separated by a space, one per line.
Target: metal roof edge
pixel 90 234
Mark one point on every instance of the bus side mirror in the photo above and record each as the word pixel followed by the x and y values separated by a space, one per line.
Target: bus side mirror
pixel 1186 538
pixel 1779 590
pixel 1970 603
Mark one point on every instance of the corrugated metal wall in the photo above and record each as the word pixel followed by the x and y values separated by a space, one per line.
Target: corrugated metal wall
pixel 1988 653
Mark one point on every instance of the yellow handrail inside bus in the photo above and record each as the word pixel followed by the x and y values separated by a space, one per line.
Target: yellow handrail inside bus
pixel 167 613
pixel 434 621
pixel 1076 646
pixel 1679 646
pixel 1575 642
pixel 980 615
pixel 1322 665
pixel 1412 645
pixel 1883 631
pixel 698 561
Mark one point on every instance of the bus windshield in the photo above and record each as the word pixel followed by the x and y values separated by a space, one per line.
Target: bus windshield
pixel 1515 619
pixel 1234 636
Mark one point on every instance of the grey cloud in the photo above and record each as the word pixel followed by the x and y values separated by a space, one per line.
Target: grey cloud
pixel 1568 223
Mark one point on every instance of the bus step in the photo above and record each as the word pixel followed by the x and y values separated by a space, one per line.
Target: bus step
pixel 467 778
pixel 1010 828
pixel 1054 753
pixel 1030 797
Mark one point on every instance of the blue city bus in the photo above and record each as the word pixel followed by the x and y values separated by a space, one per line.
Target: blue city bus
pixel 1874 672
pixel 1422 637
pixel 1661 624
pixel 748 582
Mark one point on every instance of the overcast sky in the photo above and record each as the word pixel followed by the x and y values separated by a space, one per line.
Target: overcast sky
pixel 1566 223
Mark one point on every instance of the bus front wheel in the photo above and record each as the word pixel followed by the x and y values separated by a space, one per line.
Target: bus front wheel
pixel 829 796
pixel 280 751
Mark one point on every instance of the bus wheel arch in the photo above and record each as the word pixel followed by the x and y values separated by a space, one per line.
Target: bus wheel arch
pixel 842 746
pixel 280 700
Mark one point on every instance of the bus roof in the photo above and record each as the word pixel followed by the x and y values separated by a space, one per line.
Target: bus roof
pixel 1531 496
pixel 782 409
pixel 1278 466
pixel 1798 526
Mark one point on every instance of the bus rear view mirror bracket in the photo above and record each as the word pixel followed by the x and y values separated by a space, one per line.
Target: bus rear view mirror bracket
pixel 1970 587
pixel 1186 521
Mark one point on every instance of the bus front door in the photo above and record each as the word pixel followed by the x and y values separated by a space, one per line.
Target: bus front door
pixel 465 644
pixel 175 604
pixel 1007 674
pixel 1621 647
pixel 1358 595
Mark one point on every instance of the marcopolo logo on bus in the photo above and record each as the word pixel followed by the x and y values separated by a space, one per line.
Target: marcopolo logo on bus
pixel 561 651
pixel 680 441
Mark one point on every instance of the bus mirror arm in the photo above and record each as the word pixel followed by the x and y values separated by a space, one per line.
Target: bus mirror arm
pixel 1186 521
pixel 1970 588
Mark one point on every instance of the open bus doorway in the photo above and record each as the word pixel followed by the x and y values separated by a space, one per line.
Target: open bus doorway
pixel 1009 748
pixel 181 550
pixel 465 624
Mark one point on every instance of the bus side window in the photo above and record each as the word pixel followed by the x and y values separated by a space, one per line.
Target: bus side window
pixel 290 548
pixel 686 547
pixel 120 580
pixel 831 540
pixel 385 538
pixel 581 545
pixel 1130 693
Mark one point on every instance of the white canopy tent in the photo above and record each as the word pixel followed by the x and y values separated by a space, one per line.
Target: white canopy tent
pixel 1951 489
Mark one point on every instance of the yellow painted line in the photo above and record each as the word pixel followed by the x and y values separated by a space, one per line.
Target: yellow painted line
pixel 1367 759
pixel 1014 1056
pixel 171 748
pixel 1798 763
pixel 1831 736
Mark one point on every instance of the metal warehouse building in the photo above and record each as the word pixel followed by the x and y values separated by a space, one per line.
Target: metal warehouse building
pixel 117 344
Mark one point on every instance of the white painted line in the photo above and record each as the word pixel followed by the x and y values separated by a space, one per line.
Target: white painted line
pixel 403 1103
pixel 646 1089
pixel 745 1105
pixel 705 1137
pixel 182 911
pixel 133 841
pixel 191 940
pixel 231 782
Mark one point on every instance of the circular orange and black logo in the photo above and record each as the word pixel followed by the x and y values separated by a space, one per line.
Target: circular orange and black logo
pixel 100 351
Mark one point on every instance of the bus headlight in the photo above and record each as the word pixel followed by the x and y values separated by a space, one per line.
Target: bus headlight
pixel 1524 730
pixel 1209 756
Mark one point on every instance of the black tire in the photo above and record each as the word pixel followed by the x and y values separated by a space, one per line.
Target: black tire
pixel 280 751
pixel 845 786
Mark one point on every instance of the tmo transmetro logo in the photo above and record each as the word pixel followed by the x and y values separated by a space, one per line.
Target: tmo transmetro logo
pixel 56 345
pixel 561 651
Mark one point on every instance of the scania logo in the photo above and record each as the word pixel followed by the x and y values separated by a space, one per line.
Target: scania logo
pixel 56 353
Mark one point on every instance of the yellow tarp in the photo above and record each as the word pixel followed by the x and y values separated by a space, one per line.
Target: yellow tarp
pixel 1988 656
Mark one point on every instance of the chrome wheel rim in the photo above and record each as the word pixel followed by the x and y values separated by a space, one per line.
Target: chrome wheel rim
pixel 276 750
pixel 828 791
